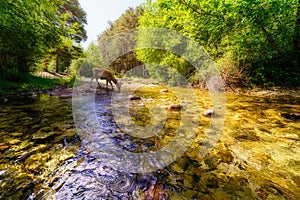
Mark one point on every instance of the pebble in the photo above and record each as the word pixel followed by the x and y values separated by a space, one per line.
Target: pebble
pixel 209 113
pixel 175 107
pixel 134 97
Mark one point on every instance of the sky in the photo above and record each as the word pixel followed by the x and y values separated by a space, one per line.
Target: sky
pixel 99 12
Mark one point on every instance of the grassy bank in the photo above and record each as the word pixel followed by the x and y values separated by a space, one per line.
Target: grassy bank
pixel 18 82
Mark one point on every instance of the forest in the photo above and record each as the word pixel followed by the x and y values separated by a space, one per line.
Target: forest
pixel 253 43
pixel 165 127
pixel 38 36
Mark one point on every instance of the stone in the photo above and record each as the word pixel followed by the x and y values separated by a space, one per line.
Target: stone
pixel 212 183
pixel 17 134
pixel 209 113
pixel 164 90
pixel 101 91
pixel 175 107
pixel 291 116
pixel 15 141
pixel 39 135
pixel 4 146
pixel 134 97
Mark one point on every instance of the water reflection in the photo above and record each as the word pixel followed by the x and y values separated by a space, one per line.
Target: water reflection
pixel 42 157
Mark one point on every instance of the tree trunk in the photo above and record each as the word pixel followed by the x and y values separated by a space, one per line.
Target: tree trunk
pixel 1 69
pixel 57 61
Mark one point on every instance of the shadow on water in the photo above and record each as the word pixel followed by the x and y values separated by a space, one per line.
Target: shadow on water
pixel 44 157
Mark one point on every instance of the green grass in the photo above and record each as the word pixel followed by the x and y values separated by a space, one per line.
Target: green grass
pixel 19 82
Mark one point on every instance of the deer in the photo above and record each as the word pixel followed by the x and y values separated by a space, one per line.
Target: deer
pixel 105 75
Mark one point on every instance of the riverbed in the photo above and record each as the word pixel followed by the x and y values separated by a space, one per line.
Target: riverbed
pixel 103 144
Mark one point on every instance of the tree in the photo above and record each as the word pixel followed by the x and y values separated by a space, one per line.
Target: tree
pixel 32 30
pixel 28 30
pixel 117 44
pixel 73 25
pixel 92 59
pixel 260 38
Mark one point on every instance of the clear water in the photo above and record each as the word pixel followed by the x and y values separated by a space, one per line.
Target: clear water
pixel 46 155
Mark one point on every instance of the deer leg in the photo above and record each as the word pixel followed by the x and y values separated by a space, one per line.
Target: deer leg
pixel 106 83
pixel 91 81
pixel 98 82
pixel 112 87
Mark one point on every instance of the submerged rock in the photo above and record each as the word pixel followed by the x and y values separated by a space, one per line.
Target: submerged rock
pixel 4 146
pixel 17 134
pixel 212 183
pixel 164 90
pixel 42 135
pixel 101 91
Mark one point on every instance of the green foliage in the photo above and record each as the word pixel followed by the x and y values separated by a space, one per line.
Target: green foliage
pixel 22 82
pixel 166 75
pixel 32 30
pixel 92 59
pixel 74 18
pixel 118 41
pixel 28 30
pixel 260 38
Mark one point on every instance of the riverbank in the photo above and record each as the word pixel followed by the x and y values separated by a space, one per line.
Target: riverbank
pixel 18 84
pixel 62 86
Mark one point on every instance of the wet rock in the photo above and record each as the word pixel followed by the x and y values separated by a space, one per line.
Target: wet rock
pixel 164 90
pixel 176 168
pixel 25 145
pixel 212 183
pixel 291 116
pixel 101 91
pixel 209 113
pixel 188 181
pixel 134 97
pixel 15 141
pixel 184 162
pixel 247 136
pixel 17 134
pixel 211 162
pixel 226 156
pixel 36 161
pixel 175 107
pixel 39 135
pixel 4 146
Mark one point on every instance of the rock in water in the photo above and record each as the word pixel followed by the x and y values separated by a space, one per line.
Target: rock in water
pixel 134 97
pixel 4 146
pixel 175 107
pixel 291 116
pixel 209 113
pixel 164 90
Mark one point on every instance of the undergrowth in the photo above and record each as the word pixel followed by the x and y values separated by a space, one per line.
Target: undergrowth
pixel 19 82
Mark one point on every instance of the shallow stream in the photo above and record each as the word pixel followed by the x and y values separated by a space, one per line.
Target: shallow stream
pixel 91 147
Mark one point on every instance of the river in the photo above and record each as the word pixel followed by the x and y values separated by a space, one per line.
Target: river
pixel 132 145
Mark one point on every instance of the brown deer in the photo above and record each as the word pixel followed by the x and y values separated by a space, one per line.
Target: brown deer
pixel 105 75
